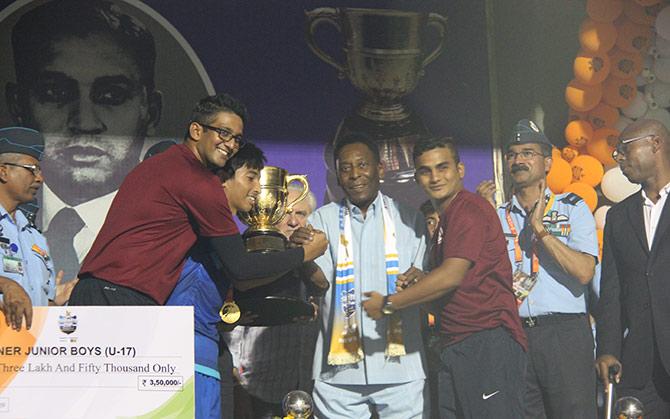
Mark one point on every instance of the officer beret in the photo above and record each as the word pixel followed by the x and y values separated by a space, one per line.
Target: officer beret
pixel 526 132
pixel 22 141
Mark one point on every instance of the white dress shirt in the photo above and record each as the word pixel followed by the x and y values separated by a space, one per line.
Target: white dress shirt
pixel 652 212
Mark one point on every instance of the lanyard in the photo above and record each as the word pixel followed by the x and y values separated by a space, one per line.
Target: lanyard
pixel 518 254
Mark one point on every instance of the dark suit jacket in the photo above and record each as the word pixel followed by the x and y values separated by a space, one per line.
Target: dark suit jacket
pixel 635 291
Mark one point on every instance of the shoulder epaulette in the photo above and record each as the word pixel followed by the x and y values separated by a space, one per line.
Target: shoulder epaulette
pixel 571 199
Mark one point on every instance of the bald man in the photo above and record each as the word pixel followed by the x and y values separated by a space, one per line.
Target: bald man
pixel 635 284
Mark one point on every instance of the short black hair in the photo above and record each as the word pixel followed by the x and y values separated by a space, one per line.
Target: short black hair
pixel 355 138
pixel 249 155
pixel 427 208
pixel 430 143
pixel 207 108
pixel 36 31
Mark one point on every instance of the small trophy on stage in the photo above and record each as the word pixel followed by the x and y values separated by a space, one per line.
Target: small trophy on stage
pixel 297 405
pixel 270 208
pixel 628 408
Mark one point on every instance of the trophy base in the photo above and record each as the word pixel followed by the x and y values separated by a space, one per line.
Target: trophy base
pixel 264 241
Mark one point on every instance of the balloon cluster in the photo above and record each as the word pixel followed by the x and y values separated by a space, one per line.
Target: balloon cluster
pixel 621 73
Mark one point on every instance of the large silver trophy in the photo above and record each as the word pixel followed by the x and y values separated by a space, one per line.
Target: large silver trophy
pixel 385 58
pixel 271 206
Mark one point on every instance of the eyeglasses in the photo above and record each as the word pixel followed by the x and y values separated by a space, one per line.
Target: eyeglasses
pixel 622 148
pixel 32 168
pixel 524 155
pixel 225 134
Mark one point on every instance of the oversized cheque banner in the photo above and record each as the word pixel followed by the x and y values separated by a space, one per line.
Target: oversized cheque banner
pixel 99 362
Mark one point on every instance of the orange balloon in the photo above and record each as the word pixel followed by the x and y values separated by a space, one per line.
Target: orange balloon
pixel 603 115
pixel 591 67
pixel 584 191
pixel 642 15
pixel 574 115
pixel 555 153
pixel 582 97
pixel 619 92
pixel 587 169
pixel 578 133
pixel 633 37
pixel 597 36
pixel 604 10
pixel 601 146
pixel 569 152
pixel 559 176
pixel 625 65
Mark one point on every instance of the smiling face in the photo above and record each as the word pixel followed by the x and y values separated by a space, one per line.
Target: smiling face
pixel 358 173
pixel 440 175
pixel 208 146
pixel 242 189
pixel 89 103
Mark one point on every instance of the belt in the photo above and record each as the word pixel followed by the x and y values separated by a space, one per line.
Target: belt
pixel 547 319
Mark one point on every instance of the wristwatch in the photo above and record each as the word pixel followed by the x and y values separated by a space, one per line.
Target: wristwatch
pixel 387 306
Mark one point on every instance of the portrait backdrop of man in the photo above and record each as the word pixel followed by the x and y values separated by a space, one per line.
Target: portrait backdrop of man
pixel 85 78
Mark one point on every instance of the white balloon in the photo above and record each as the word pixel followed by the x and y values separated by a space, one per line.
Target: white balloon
pixel 600 215
pixel 637 107
pixel 622 123
pixel 663 23
pixel 662 69
pixel 615 185
pixel 641 80
pixel 647 64
pixel 660 92
pixel 662 47
pixel 660 115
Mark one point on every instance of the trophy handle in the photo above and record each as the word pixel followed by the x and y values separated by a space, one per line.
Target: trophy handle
pixel 315 18
pixel 438 22
pixel 305 189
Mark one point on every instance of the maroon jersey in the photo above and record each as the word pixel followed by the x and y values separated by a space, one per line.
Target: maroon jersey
pixel 163 205
pixel 470 229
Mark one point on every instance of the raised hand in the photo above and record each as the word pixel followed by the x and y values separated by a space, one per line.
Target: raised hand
pixel 487 189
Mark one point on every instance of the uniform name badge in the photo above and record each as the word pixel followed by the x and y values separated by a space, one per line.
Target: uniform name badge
pixel 12 265
pixel 522 283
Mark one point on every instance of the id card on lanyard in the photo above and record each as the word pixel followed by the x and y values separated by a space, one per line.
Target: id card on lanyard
pixel 522 282
pixel 12 264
